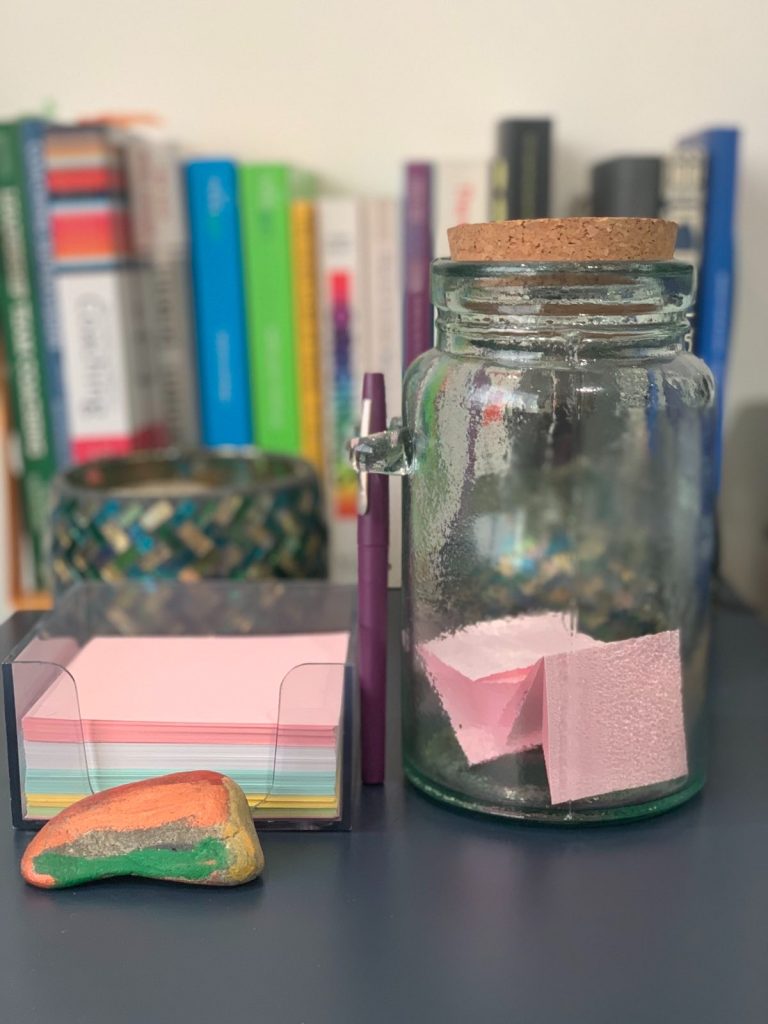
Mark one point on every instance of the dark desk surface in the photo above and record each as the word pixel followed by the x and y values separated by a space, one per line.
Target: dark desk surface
pixel 424 914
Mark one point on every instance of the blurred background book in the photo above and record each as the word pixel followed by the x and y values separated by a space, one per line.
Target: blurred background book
pixel 222 269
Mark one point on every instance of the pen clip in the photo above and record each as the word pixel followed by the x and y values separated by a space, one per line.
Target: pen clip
pixel 362 476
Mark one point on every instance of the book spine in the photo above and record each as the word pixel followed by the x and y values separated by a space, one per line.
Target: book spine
pixel 305 304
pixel 161 245
pixel 22 330
pixel 147 427
pixel 168 308
pixel 219 302
pixel 98 288
pixel 384 284
pixel 683 198
pixel 265 195
pixel 418 318
pixel 385 343
pixel 98 322
pixel 627 187
pixel 499 179
pixel 33 134
pixel 338 234
pixel 521 171
pixel 461 195
pixel 714 299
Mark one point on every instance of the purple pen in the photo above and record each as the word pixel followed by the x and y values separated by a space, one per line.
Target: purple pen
pixel 372 565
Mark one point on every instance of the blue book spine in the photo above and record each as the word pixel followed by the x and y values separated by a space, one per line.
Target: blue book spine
pixel 33 141
pixel 217 276
pixel 714 297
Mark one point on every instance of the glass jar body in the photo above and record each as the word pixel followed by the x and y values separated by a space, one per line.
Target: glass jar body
pixel 558 476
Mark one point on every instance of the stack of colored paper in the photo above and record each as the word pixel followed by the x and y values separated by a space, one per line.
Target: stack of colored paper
pixel 265 710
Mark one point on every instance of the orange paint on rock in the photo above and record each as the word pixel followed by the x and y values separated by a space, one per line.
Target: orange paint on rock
pixel 200 799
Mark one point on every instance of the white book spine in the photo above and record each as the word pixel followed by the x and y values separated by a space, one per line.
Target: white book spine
pixel 161 242
pixel 385 338
pixel 98 341
pixel 341 314
pixel 461 195
pixel 683 199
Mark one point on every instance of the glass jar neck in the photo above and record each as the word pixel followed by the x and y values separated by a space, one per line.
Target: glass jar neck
pixel 575 311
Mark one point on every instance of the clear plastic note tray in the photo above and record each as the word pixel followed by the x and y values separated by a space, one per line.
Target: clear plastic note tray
pixel 128 682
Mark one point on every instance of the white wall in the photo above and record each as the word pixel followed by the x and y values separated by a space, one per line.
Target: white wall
pixel 352 88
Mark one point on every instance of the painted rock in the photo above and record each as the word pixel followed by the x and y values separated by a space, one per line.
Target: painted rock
pixel 191 827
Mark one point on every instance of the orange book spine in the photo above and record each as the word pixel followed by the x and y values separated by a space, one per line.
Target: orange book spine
pixel 307 331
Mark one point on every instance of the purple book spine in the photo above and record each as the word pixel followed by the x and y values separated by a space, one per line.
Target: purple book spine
pixel 417 321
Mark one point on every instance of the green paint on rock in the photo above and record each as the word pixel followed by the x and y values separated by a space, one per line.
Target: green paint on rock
pixel 190 865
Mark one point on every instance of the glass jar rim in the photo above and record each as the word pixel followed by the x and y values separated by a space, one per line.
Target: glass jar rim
pixel 495 269
pixel 620 293
pixel 498 306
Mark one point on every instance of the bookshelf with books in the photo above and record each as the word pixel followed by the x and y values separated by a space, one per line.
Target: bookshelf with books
pixel 225 302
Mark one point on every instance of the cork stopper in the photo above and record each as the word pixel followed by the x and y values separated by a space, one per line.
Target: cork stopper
pixel 565 239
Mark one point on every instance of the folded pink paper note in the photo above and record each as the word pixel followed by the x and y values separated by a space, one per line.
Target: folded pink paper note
pixel 608 715
pixel 527 730
pixel 484 673
pixel 613 717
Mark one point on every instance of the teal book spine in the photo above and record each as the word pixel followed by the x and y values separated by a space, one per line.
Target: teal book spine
pixel 266 191
pixel 217 277
pixel 21 325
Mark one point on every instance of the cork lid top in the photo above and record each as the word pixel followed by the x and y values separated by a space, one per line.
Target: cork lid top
pixel 565 239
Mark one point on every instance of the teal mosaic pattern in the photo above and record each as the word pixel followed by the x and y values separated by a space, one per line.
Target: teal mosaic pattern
pixel 187 518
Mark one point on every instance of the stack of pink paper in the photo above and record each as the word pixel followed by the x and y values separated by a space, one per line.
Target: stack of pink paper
pixel 608 715
pixel 265 710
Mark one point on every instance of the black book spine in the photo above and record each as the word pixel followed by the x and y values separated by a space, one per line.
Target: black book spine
pixel 521 173
pixel 627 187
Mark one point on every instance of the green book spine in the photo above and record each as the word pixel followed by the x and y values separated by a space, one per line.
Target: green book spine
pixel 21 324
pixel 266 191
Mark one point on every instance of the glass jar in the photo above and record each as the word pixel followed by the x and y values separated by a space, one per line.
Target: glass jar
pixel 558 538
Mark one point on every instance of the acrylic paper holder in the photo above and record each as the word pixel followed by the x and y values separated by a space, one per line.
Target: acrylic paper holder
pixel 40 666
